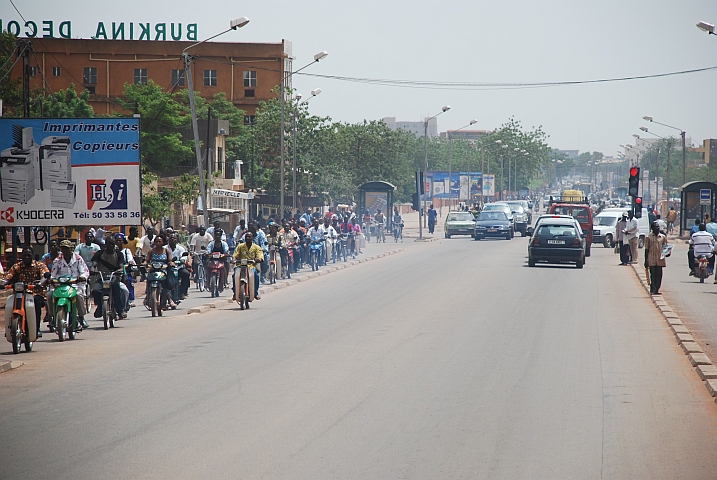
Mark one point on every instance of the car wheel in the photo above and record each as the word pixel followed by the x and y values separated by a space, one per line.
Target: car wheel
pixel 508 236
pixel 512 234
pixel 579 263
pixel 476 238
pixel 447 236
pixel 522 233
pixel 587 251
pixel 531 262
pixel 607 242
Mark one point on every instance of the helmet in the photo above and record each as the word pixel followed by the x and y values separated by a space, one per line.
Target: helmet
pixel 120 238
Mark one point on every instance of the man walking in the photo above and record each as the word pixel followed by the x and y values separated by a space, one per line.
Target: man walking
pixel 631 233
pixel 432 215
pixel 653 257
pixel 623 248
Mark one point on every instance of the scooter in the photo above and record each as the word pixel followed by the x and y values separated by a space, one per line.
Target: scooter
pixel 19 308
pixel 273 252
pixel 316 251
pixel 64 297
pixel 244 283
pixel 155 290
pixel 702 266
pixel 215 268
pixel 109 315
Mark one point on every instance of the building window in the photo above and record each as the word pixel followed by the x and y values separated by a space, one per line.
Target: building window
pixel 177 78
pixel 56 71
pixel 210 78
pixel 90 90
pixel 33 71
pixel 250 79
pixel 249 93
pixel 140 76
pixel 89 75
pixel 249 119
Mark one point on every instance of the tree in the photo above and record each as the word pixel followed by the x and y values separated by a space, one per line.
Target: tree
pixel 62 104
pixel 10 89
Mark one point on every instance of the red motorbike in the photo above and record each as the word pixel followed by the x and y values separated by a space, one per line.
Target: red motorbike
pixel 216 272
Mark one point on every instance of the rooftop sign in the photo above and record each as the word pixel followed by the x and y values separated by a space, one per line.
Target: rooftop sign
pixel 111 31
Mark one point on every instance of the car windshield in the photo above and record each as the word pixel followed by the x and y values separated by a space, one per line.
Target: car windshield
pixel 557 230
pixel 606 221
pixel 460 217
pixel 500 208
pixel 492 216
pixel 516 207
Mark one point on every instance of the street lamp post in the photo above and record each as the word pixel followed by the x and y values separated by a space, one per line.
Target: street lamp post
pixel 314 93
pixel 282 131
pixel 682 135
pixel 425 172
pixel 502 178
pixel 233 25
pixel 666 183
pixel 450 162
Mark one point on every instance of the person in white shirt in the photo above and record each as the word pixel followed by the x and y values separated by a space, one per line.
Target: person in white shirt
pixel 632 230
pixel 216 226
pixel 239 232
pixel 702 244
pixel 200 240
pixel 331 237
pixel 76 268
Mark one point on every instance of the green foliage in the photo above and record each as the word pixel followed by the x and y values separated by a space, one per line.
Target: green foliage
pixel 62 104
pixel 10 90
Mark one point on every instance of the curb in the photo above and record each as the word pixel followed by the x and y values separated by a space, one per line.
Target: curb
pixel 10 365
pixel 222 302
pixel 703 365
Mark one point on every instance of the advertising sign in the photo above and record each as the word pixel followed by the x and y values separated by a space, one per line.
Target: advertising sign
pixel 489 185
pixel 376 201
pixel 458 184
pixel 70 171
pixel 705 196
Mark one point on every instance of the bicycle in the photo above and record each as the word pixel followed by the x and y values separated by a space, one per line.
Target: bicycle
pixel 200 275
pixel 380 234
pixel 398 233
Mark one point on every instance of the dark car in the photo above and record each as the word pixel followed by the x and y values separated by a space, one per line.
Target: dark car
pixel 522 218
pixel 557 240
pixel 492 224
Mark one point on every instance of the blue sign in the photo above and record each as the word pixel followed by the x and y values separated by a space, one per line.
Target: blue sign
pixel 705 196
pixel 461 185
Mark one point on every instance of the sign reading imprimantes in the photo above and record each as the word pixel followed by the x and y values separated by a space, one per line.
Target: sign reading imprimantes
pixel 69 171
pixel 105 30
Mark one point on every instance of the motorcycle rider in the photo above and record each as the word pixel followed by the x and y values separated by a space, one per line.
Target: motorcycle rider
pixel 108 260
pixel 702 244
pixel 88 249
pixel 250 251
pixel 28 270
pixel 145 245
pixel 159 253
pixel 289 239
pixel 220 246
pixel 331 235
pixel 130 266
pixel 316 233
pixel 76 268
pixel 183 273
pixel 277 240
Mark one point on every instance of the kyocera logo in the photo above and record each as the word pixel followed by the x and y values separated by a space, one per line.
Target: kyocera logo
pixel 7 215
pixel 113 196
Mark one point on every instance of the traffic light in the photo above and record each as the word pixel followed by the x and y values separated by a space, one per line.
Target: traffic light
pixel 420 185
pixel 416 203
pixel 637 207
pixel 633 182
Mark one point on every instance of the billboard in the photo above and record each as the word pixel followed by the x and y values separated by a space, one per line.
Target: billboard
pixel 458 185
pixel 69 171
pixel 488 185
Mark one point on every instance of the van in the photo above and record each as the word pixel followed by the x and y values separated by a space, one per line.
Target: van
pixel 580 212
pixel 643 223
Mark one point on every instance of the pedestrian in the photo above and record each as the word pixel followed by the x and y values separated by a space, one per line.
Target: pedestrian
pixel 653 257
pixel 622 246
pixel 432 216
pixel 631 232
pixel 671 217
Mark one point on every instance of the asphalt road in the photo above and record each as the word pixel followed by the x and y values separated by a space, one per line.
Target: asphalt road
pixel 452 359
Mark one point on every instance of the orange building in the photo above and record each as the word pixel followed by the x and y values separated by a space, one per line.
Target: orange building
pixel 245 72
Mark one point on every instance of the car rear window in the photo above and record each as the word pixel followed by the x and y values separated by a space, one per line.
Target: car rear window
pixel 557 231
pixel 581 214
pixel 492 216
pixel 460 217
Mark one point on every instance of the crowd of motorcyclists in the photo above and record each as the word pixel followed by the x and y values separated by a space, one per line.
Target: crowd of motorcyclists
pixel 105 266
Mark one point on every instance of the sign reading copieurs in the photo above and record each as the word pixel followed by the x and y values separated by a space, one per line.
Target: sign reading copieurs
pixel 80 171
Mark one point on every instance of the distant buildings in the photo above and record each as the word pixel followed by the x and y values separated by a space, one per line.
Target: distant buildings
pixel 417 128
pixel 465 134
pixel 708 150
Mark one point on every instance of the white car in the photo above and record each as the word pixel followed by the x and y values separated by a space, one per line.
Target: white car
pixel 606 217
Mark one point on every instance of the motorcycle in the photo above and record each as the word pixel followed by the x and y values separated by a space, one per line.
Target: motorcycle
pixel 64 297
pixel 215 268
pixel 316 251
pixel 19 307
pixel 702 266
pixel 109 315
pixel 273 251
pixel 155 288
pixel 244 283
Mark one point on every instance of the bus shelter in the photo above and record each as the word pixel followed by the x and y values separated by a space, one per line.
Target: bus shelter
pixel 697 200
pixel 375 196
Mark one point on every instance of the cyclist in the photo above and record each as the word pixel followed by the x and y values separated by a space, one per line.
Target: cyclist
pixel 397 221
pixel 380 219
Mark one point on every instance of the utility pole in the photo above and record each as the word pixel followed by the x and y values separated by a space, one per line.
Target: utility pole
pixel 195 128
pixel 27 49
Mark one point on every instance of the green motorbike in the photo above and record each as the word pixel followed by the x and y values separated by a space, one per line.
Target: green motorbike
pixel 65 299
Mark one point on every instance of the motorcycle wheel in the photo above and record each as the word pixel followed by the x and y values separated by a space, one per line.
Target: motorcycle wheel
pixel 113 317
pixel 344 252
pixel 106 312
pixel 200 279
pixel 272 274
pixel 158 300
pixel 152 299
pixel 242 297
pixel 16 333
pixel 702 275
pixel 61 324
pixel 213 280
pixel 28 346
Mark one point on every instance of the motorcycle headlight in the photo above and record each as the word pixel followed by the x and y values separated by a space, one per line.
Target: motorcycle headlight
pixel 19 287
pixel 105 284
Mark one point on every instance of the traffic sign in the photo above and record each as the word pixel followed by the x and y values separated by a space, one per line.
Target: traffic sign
pixel 705 196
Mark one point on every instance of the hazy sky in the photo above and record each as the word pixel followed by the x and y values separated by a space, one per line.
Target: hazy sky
pixel 468 41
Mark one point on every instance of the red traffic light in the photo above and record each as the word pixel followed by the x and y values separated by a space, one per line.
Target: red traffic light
pixel 638 200
pixel 633 171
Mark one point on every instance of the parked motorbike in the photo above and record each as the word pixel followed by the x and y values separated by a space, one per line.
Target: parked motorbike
pixel 155 288
pixel 244 283
pixel 64 297
pixel 20 326
pixel 215 269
